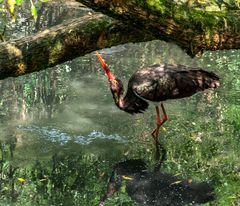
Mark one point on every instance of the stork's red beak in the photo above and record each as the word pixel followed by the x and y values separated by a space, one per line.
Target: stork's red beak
pixel 105 67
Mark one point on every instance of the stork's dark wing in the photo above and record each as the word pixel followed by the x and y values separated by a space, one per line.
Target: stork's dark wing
pixel 171 81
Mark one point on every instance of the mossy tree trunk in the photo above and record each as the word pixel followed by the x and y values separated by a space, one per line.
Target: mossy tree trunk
pixel 63 43
pixel 193 28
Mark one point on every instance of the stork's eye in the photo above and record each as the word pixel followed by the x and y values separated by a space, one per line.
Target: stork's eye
pixel 114 82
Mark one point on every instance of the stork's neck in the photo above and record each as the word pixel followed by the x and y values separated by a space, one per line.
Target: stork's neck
pixel 117 90
pixel 119 99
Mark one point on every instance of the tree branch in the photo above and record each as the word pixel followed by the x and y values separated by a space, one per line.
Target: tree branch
pixel 194 30
pixel 63 43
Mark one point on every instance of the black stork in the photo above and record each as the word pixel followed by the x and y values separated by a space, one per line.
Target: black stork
pixel 155 188
pixel 157 83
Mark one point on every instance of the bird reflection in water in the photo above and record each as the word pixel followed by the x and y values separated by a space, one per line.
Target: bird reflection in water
pixel 154 188
pixel 155 84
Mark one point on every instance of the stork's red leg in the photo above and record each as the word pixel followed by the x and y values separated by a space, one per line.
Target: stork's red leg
pixel 165 116
pixel 159 121
pixel 155 134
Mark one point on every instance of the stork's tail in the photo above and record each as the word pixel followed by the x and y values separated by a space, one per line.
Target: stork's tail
pixel 211 79
pixel 205 79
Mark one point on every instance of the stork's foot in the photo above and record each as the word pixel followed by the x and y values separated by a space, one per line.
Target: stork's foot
pixel 155 132
pixel 160 122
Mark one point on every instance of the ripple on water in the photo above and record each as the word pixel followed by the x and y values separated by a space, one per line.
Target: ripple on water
pixel 56 135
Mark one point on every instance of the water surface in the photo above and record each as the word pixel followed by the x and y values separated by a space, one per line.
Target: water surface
pixel 62 133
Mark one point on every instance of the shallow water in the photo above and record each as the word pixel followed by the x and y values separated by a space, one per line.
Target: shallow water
pixel 61 132
pixel 75 117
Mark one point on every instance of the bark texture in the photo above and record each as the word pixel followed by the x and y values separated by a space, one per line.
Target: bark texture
pixel 195 29
pixel 63 43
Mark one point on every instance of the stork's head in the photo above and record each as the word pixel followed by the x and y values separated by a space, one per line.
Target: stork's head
pixel 109 74
pixel 116 84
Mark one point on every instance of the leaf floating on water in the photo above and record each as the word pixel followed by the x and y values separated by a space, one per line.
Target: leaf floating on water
pixel 177 182
pixel 20 179
pixel 177 174
pixel 11 5
pixel 102 175
pixel 34 12
pixel 164 129
pixel 127 177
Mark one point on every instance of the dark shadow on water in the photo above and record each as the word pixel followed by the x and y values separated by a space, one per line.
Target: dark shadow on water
pixel 155 188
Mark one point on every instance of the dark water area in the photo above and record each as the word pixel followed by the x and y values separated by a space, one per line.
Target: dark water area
pixel 61 133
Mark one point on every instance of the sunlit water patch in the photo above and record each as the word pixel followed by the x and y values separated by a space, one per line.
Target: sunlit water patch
pixel 56 135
